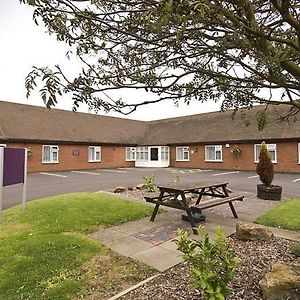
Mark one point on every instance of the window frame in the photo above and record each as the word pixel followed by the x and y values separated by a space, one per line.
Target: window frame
pixel 215 150
pixel 164 153
pixel 51 161
pixel 131 151
pixel 256 159
pixel 3 145
pixel 184 149
pixel 142 151
pixel 96 148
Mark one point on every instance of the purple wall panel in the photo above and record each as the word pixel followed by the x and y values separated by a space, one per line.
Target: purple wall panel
pixel 14 161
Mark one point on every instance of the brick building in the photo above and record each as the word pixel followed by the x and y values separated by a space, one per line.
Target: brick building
pixel 64 140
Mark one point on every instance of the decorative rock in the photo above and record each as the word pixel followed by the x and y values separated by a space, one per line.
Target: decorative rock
pixel 247 232
pixel 141 186
pixel 283 282
pixel 120 189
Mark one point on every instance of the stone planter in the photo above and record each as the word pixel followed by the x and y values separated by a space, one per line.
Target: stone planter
pixel 272 192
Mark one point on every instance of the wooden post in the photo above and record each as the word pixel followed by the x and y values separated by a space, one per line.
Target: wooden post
pixel 1 181
pixel 25 181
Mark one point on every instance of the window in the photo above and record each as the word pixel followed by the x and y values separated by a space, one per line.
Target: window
pixel 213 153
pixel 50 154
pixel 142 153
pixel 94 153
pixel 164 153
pixel 271 148
pixel 130 153
pixel 182 154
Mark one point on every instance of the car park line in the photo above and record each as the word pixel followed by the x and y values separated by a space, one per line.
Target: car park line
pixel 295 180
pixel 114 171
pixel 85 172
pixel 51 174
pixel 226 173
pixel 255 176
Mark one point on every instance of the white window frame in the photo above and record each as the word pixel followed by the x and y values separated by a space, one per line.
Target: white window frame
pixel 164 153
pixel 132 153
pixel 3 145
pixel 272 147
pixel 53 148
pixel 183 149
pixel 216 148
pixel 96 149
pixel 142 151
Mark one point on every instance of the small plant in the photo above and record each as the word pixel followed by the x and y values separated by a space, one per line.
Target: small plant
pixel 296 250
pixel 213 263
pixel 265 168
pixel 130 188
pixel 149 183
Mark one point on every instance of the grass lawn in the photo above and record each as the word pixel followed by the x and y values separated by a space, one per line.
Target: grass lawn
pixel 284 216
pixel 45 254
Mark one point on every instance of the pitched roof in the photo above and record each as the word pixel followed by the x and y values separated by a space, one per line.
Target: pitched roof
pixel 221 127
pixel 20 122
pixel 32 123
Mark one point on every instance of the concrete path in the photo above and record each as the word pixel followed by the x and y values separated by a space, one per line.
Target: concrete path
pixel 151 242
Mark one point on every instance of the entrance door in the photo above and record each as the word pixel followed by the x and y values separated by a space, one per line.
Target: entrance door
pixel 154 154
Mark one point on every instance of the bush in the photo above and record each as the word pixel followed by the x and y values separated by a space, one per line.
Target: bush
pixel 265 168
pixel 296 250
pixel 149 183
pixel 213 263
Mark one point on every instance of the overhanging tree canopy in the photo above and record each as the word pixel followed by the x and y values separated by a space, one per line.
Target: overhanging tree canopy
pixel 241 52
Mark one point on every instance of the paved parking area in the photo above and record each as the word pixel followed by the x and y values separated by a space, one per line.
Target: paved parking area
pixel 52 183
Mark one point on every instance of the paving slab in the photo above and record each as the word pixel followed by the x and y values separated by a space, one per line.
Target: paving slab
pixel 107 236
pixel 159 258
pixel 129 246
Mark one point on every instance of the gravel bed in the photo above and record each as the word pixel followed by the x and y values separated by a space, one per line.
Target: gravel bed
pixel 256 258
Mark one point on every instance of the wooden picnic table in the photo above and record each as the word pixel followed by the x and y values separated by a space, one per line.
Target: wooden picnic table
pixel 177 192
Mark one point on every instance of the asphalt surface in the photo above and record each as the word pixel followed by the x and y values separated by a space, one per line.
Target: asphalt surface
pixel 53 183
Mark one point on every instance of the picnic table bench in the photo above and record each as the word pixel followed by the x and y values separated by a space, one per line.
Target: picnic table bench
pixel 174 195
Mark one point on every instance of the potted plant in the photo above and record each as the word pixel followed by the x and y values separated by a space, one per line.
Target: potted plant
pixel 265 170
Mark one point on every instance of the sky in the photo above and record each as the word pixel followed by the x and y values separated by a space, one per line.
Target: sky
pixel 24 44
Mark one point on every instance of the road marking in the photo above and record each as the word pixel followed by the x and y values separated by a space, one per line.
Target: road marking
pixel 51 174
pixel 226 173
pixel 114 171
pixel 255 176
pixel 295 180
pixel 84 172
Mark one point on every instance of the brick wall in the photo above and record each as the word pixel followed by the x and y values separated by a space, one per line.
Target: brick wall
pixel 111 157
pixel 287 158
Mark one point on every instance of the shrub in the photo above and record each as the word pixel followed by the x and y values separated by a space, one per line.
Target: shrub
pixel 265 168
pixel 296 250
pixel 213 263
pixel 149 183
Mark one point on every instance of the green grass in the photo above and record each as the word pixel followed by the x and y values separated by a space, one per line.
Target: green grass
pixel 43 250
pixel 285 216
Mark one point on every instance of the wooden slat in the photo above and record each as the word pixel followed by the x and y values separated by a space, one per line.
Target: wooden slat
pixel 216 202
pixel 174 205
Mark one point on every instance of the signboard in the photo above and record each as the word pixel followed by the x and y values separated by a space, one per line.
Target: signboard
pixel 75 152
pixel 13 170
